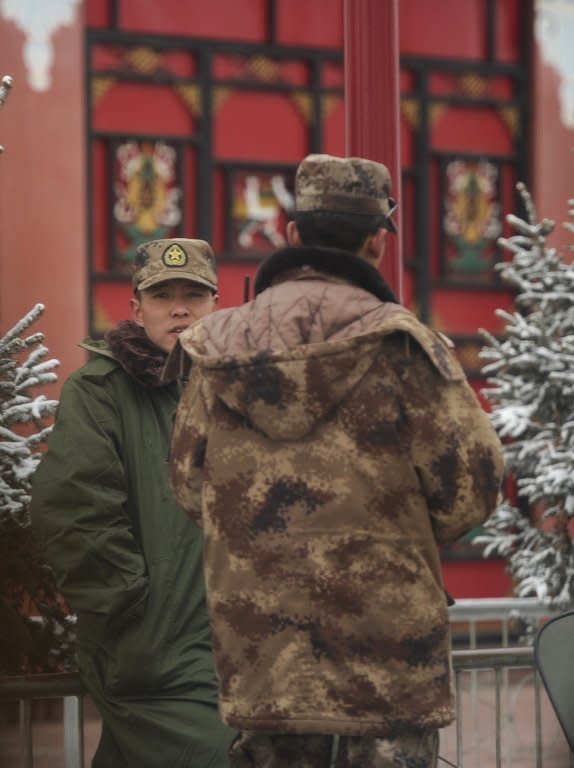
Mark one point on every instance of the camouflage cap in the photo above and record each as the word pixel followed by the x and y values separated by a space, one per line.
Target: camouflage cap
pixel 344 185
pixel 175 259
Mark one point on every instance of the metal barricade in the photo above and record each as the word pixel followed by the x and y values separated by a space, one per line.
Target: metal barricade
pixel 67 687
pixel 499 660
pixel 498 688
pixel 499 664
pixel 498 610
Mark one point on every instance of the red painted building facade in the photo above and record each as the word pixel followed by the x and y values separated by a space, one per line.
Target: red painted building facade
pixel 189 118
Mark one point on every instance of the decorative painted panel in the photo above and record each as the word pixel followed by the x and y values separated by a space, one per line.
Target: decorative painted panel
pixel 260 201
pixel 472 219
pixel 147 196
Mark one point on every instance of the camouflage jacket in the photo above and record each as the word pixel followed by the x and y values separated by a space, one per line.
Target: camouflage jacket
pixel 329 442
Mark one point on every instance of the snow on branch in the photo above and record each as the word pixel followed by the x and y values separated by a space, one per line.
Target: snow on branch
pixel 22 366
pixel 530 372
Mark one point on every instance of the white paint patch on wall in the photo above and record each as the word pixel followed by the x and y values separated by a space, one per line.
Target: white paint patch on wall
pixel 554 30
pixel 39 19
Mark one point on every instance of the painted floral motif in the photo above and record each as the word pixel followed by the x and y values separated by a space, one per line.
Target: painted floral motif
pixel 472 219
pixel 147 199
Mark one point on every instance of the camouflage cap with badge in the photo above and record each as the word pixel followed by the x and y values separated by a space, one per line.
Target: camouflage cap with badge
pixel 174 259
pixel 344 185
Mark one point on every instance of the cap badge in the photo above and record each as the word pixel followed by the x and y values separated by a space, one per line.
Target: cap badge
pixel 174 256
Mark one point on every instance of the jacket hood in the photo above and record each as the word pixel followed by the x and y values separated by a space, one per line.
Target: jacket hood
pixel 285 360
pixel 285 394
pixel 285 390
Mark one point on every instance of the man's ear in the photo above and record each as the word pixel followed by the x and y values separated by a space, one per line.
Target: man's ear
pixel 136 312
pixel 215 301
pixel 381 239
pixel 374 247
pixel 293 236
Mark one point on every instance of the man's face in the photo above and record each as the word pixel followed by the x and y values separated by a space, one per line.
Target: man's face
pixel 168 308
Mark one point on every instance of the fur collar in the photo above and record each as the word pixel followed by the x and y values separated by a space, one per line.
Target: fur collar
pixel 331 261
pixel 138 356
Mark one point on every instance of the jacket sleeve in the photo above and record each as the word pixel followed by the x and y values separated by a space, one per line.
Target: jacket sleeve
pixel 453 445
pixel 78 508
pixel 188 447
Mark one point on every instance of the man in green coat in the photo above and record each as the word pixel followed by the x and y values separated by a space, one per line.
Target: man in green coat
pixel 125 556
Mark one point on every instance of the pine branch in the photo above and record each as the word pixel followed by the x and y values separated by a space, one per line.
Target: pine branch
pixel 22 325
pixel 530 373
pixel 27 643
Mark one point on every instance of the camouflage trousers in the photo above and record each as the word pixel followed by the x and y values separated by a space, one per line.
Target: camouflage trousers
pixel 261 750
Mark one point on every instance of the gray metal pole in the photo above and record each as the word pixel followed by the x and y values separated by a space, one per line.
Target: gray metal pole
pixel 73 732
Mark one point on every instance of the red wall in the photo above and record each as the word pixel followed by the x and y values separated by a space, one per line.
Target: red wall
pixel 42 173
pixel 476 578
pixel 42 195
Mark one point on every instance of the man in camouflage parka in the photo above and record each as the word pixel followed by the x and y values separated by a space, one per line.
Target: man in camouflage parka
pixel 329 443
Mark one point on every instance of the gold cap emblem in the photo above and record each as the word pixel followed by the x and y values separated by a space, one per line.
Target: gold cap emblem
pixel 174 256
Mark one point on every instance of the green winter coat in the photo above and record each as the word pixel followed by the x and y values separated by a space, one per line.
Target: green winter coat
pixel 130 565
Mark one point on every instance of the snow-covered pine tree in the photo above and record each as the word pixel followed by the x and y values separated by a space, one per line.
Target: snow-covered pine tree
pixel 531 392
pixel 36 628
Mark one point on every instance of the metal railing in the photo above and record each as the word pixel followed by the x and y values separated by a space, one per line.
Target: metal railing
pixel 502 611
pixel 508 673
pixel 498 662
pixel 67 687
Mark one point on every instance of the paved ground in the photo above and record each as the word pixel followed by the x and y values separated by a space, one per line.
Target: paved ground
pixel 479 730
